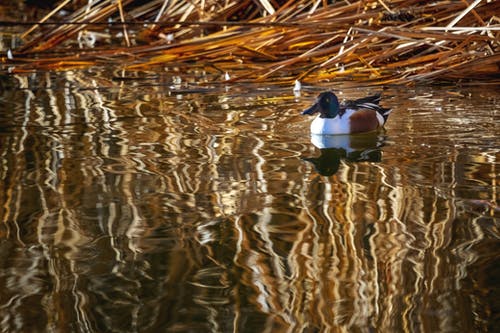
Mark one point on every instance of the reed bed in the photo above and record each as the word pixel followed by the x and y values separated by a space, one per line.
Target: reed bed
pixel 378 42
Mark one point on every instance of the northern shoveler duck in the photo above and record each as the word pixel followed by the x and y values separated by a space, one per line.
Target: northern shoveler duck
pixel 358 116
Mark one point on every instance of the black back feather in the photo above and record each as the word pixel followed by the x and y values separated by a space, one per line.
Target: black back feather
pixel 369 102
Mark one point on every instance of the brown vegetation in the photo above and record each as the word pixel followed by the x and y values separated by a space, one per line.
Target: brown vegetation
pixel 384 41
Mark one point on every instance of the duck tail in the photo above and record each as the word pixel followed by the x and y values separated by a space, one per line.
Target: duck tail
pixel 384 112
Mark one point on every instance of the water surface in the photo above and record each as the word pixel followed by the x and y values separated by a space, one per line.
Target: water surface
pixel 160 205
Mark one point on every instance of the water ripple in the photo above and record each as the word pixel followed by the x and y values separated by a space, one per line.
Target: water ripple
pixel 127 209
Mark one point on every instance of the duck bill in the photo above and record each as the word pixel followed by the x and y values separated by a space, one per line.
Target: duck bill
pixel 312 110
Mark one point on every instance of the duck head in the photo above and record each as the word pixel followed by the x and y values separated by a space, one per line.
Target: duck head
pixel 327 104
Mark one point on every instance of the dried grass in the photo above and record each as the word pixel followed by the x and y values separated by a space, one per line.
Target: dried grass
pixel 379 42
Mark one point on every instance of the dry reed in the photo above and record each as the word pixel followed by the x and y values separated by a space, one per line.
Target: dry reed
pixel 378 42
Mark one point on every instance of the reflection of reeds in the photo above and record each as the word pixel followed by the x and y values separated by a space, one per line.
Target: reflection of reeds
pixel 120 215
pixel 375 41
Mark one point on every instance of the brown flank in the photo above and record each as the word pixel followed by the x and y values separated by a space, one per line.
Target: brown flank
pixel 363 121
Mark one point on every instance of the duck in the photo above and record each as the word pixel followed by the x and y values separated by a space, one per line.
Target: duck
pixel 349 117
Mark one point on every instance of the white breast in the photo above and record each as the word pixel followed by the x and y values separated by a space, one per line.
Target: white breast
pixel 337 125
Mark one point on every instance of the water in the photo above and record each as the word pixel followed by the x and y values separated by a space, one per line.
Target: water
pixel 156 205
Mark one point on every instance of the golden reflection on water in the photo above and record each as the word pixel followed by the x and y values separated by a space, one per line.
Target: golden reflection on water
pixel 129 209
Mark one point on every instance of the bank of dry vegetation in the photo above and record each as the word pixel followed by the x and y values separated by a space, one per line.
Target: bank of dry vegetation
pixel 378 42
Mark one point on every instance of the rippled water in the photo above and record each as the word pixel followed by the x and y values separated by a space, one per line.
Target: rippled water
pixel 147 205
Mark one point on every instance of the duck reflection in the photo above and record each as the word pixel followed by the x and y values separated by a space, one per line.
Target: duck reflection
pixel 353 148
